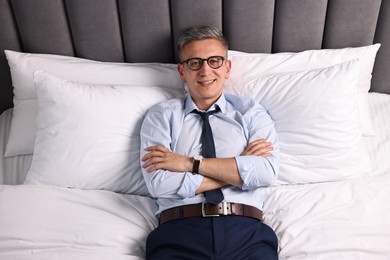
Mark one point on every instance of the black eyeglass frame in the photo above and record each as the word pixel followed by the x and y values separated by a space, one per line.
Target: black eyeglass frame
pixel 202 62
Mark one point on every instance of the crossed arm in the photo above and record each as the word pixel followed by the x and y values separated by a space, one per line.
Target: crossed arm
pixel 217 172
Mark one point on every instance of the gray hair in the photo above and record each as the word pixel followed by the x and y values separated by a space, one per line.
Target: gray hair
pixel 200 32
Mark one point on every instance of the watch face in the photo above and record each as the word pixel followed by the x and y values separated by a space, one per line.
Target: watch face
pixel 198 157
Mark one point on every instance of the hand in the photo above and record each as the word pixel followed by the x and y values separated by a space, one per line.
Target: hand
pixel 258 148
pixel 162 158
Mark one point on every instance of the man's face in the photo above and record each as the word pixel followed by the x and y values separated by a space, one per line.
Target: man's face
pixel 206 84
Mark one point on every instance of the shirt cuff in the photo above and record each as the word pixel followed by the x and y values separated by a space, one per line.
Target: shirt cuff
pixel 246 166
pixel 190 184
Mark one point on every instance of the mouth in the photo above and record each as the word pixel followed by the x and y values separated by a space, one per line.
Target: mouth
pixel 206 83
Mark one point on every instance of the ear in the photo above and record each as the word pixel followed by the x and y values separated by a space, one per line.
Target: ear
pixel 228 68
pixel 180 69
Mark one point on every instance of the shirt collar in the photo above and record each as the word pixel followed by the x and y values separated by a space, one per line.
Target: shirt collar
pixel 190 105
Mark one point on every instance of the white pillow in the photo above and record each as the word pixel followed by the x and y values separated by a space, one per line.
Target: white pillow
pixel 22 135
pixel 246 67
pixel 87 136
pixel 316 120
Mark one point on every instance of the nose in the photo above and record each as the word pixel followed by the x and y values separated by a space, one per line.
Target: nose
pixel 205 67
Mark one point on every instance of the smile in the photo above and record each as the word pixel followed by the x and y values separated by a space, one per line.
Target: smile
pixel 208 82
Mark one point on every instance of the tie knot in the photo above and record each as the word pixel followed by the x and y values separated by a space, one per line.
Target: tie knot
pixel 205 115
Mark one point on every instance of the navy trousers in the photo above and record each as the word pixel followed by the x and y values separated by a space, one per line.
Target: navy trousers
pixel 225 237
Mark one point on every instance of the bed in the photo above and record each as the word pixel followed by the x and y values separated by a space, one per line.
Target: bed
pixel 77 77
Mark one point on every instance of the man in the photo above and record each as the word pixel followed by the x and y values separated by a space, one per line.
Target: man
pixel 189 157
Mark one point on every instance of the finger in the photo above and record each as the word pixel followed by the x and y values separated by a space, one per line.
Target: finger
pixel 258 141
pixel 259 150
pixel 154 167
pixel 146 157
pixel 156 148
pixel 152 161
pixel 262 149
pixel 263 153
pixel 153 154
pixel 149 167
pixel 258 145
pixel 147 164
pixel 261 142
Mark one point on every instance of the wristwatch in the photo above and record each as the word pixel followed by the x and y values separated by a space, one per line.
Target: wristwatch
pixel 197 160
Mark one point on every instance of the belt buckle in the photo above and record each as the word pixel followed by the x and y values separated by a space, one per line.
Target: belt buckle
pixel 224 210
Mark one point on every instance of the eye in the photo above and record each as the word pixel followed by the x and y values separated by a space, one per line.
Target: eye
pixel 194 63
pixel 215 62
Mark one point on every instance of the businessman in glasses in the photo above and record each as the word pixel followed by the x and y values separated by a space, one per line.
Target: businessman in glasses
pixel 205 157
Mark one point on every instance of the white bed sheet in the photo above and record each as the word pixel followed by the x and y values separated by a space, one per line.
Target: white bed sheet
pixel 43 222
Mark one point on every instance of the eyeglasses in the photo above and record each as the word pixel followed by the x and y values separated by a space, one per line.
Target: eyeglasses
pixel 214 62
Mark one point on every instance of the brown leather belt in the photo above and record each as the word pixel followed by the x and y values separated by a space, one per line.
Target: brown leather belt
pixel 209 210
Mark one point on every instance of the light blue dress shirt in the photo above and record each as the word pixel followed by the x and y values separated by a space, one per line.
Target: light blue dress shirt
pixel 241 121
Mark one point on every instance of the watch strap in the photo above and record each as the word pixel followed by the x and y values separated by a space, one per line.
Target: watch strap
pixel 195 166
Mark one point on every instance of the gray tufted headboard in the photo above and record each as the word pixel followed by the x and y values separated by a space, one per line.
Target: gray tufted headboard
pixel 146 31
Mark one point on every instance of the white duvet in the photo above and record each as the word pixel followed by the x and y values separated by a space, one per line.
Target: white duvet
pixel 342 220
pixel 42 222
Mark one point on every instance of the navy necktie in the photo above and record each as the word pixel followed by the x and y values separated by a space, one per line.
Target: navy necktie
pixel 208 151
